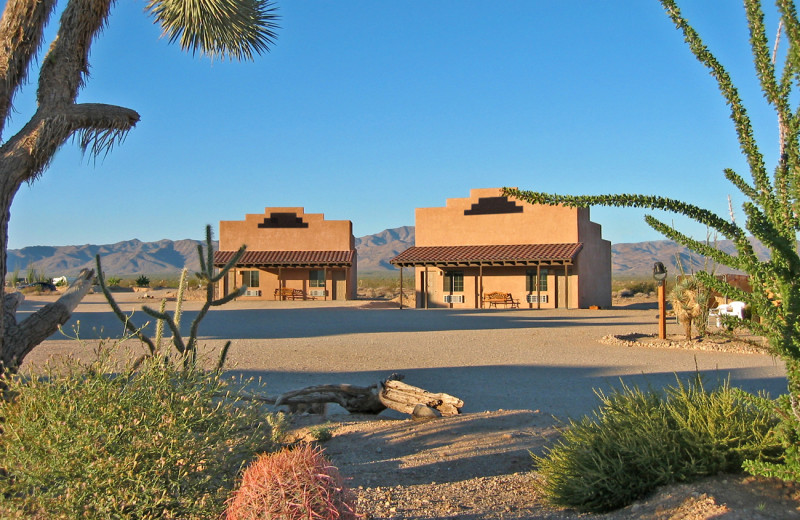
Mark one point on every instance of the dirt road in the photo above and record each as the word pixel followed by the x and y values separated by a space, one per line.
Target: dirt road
pixel 547 360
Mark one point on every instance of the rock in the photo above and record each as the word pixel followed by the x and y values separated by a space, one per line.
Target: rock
pixel 423 413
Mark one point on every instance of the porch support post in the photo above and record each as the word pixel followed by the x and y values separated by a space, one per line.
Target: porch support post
pixel 480 284
pixel 325 275
pixel 538 286
pixel 426 282
pixel 401 287
pixel 566 286
pixel 280 282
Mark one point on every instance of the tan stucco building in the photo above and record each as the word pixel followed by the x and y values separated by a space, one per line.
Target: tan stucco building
pixel 290 254
pixel 543 256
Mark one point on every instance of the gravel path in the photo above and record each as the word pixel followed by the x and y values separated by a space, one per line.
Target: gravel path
pixel 546 360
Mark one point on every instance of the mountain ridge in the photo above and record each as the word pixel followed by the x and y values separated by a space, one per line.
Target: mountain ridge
pixel 164 257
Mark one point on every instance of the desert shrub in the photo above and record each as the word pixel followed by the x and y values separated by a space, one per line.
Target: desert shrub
pixel 788 434
pixel 637 441
pixel 142 281
pixel 113 281
pixel 321 432
pixel 96 440
pixel 292 485
pixel 645 287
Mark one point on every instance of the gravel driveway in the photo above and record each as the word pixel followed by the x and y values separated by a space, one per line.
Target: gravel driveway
pixel 547 360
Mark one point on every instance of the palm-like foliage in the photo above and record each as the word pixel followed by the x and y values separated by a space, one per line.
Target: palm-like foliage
pixel 237 29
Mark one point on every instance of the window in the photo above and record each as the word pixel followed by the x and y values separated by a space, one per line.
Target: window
pixel 454 281
pixel 531 281
pixel 250 278
pixel 316 278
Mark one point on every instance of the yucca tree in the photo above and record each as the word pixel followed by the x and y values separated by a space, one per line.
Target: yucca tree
pixel 772 204
pixel 219 29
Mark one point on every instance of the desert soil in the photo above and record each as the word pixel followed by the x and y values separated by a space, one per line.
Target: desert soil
pixel 520 373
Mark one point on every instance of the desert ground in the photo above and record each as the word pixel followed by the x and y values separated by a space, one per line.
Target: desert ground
pixel 521 374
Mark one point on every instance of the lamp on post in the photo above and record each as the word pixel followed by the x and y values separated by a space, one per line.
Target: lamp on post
pixel 660 275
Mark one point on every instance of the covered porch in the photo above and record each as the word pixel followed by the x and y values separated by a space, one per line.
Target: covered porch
pixel 290 275
pixel 530 276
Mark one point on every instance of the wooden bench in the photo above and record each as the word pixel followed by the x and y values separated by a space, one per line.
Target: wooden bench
pixel 287 293
pixel 500 298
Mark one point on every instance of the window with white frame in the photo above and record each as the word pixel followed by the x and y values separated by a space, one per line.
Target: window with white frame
pixel 531 281
pixel 453 281
pixel 250 278
pixel 316 278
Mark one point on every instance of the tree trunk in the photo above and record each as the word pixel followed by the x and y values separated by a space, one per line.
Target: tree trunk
pixel 371 399
pixel 58 118
pixel 20 339
pixel 405 398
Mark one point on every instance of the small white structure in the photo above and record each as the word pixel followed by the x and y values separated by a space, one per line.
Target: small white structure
pixel 735 308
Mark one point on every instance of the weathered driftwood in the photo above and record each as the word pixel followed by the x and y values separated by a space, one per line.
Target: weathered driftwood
pixel 354 399
pixel 404 398
pixel 371 399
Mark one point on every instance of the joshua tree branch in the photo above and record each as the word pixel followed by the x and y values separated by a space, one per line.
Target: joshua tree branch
pixel 25 156
pixel 20 339
pixel 67 62
pixel 21 34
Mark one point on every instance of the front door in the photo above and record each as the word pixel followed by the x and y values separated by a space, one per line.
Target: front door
pixel 430 284
pixel 561 291
pixel 338 285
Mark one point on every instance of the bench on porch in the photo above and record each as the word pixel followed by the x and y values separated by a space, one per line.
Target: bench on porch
pixel 287 293
pixel 500 298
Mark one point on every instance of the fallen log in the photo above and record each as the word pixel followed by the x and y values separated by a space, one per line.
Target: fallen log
pixel 404 398
pixel 373 399
pixel 354 399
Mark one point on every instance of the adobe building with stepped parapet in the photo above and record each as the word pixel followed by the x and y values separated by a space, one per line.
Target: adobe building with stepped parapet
pixel 290 254
pixel 476 251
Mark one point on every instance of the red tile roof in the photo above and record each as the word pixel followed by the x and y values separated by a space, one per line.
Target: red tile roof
pixel 488 255
pixel 287 258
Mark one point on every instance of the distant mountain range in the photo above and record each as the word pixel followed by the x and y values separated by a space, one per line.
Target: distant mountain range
pixel 168 257
pixel 132 257
pixel 375 251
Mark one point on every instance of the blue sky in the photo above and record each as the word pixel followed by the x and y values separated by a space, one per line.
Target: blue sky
pixel 365 110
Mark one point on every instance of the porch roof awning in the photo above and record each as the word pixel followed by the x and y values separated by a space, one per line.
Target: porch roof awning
pixel 268 259
pixel 498 255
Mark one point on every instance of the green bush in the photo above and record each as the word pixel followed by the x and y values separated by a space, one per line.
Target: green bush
pixel 787 409
pixel 154 442
pixel 113 281
pixel 142 281
pixel 642 287
pixel 637 441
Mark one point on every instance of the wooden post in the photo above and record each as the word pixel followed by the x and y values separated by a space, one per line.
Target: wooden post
pixel 480 284
pixel 538 286
pixel 401 287
pixel 325 276
pixel 425 284
pixel 280 283
pixel 566 286
pixel 662 308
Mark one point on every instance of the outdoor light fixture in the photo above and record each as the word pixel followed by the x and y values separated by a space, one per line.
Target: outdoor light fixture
pixel 659 272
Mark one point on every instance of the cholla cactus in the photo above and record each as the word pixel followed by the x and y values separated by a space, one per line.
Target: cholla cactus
pixel 298 484
pixel 186 348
